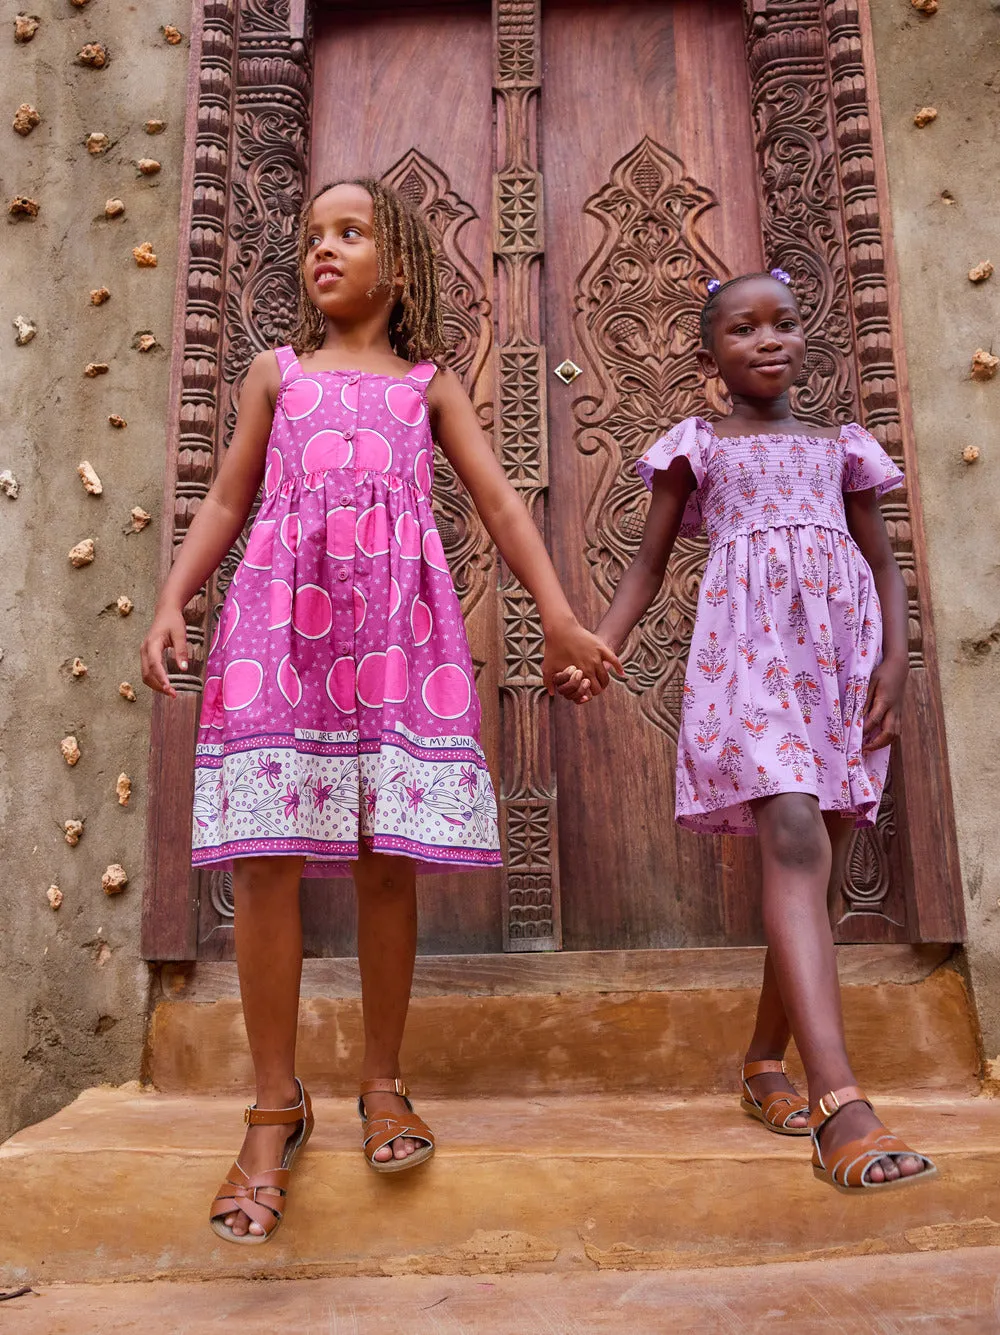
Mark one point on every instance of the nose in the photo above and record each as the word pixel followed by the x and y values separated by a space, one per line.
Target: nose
pixel 768 339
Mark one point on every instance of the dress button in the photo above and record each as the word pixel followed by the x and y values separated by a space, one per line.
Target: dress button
pixel 343 574
pixel 344 647
pixel 346 498
pixel 349 433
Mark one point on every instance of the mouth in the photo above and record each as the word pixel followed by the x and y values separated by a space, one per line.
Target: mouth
pixel 325 275
pixel 774 367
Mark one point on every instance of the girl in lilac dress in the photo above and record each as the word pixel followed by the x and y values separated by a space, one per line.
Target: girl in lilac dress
pixel 794 688
pixel 340 723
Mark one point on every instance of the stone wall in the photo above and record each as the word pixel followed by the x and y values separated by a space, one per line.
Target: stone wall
pixel 943 183
pixel 73 989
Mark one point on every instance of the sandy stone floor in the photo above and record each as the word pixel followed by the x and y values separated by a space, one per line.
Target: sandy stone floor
pixel 939 1293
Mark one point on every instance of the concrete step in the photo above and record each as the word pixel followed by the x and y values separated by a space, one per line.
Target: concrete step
pixel 117 1186
pixel 936 1292
pixel 916 1036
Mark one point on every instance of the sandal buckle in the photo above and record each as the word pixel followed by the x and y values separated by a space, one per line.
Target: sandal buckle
pixel 823 1108
pixel 246 1115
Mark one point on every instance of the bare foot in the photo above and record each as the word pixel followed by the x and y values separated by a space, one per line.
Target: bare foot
pixel 852 1122
pixel 771 1082
pixel 391 1105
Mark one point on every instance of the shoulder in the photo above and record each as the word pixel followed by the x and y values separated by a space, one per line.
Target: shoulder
pixel 445 390
pixel 265 370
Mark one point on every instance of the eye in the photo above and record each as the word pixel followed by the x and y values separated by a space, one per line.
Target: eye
pixel 312 241
pixel 788 324
pixel 743 329
pixel 351 231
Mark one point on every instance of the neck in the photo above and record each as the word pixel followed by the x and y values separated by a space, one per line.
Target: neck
pixel 762 410
pixel 365 336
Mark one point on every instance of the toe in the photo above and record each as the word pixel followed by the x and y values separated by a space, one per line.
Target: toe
pixel 909 1164
pixel 890 1169
pixel 256 1230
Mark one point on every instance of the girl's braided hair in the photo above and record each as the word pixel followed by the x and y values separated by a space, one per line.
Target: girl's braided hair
pixel 402 243
pixel 716 289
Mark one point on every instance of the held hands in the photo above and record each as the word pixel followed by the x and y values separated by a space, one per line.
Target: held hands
pixel 589 657
pixel 168 631
pixel 884 705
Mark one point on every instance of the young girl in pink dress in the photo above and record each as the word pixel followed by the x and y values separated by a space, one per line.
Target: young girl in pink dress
pixel 794 688
pixel 340 722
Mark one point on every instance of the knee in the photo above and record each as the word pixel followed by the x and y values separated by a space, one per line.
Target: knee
pixel 794 836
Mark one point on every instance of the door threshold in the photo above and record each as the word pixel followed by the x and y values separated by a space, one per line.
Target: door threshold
pixel 676 970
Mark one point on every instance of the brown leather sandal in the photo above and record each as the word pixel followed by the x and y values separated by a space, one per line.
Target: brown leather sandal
pixel 776 1109
pixel 239 1191
pixel 850 1172
pixel 377 1132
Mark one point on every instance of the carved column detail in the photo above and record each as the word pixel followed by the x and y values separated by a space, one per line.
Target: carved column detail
pixel 867 281
pixel 206 246
pixel 528 797
pixel 820 211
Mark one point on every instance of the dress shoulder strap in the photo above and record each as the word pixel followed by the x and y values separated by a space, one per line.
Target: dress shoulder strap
pixel 422 374
pixel 288 362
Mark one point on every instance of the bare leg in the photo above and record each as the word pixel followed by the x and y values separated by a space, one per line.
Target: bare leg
pixel 796 855
pixel 387 946
pixel 772 1032
pixel 268 928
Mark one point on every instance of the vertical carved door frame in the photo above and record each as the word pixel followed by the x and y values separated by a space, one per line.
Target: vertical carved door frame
pixel 823 197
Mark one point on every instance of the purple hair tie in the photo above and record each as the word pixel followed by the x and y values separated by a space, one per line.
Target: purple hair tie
pixel 782 276
pixel 713 286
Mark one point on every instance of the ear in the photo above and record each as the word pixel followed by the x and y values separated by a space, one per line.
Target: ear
pixel 706 360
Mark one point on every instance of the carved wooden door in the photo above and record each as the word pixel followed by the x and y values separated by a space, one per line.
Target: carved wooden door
pixel 680 139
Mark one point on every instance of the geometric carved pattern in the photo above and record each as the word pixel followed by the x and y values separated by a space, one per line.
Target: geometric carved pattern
pixel 528 797
pixel 638 301
pixel 469 330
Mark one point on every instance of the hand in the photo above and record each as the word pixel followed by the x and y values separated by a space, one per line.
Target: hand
pixel 168 631
pixel 884 705
pixel 573 685
pixel 571 644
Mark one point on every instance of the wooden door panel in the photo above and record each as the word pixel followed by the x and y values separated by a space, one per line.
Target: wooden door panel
pixel 640 231
pixel 771 110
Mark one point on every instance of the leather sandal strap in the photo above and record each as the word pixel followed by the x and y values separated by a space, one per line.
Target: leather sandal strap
pixel 384 1086
pixel 255 1116
pixel 833 1102
pixel 779 1108
pixel 378 1132
pixel 856 1158
pixel 768 1067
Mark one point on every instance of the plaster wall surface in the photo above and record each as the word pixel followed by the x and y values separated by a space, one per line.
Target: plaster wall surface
pixel 73 989
pixel 943 183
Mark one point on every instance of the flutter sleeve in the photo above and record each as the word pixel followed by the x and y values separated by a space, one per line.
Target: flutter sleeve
pixel 690 440
pixel 866 464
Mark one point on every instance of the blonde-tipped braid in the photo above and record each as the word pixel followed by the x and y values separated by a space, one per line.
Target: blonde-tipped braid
pixel 402 244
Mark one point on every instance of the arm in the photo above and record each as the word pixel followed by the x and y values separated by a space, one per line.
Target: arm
pixel 642 580
pixel 217 524
pixel 511 527
pixel 884 705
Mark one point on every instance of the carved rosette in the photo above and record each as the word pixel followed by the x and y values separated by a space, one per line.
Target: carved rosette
pixel 637 308
pixel 528 797
pixel 468 324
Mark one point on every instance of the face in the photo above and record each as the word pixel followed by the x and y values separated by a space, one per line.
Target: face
pixel 758 344
pixel 341 263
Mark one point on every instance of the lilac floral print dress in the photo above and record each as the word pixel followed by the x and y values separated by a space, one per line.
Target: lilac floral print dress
pixel 340 702
pixel 788 629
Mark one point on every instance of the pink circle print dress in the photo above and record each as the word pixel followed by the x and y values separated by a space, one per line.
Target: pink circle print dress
pixel 788 628
pixel 340 703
